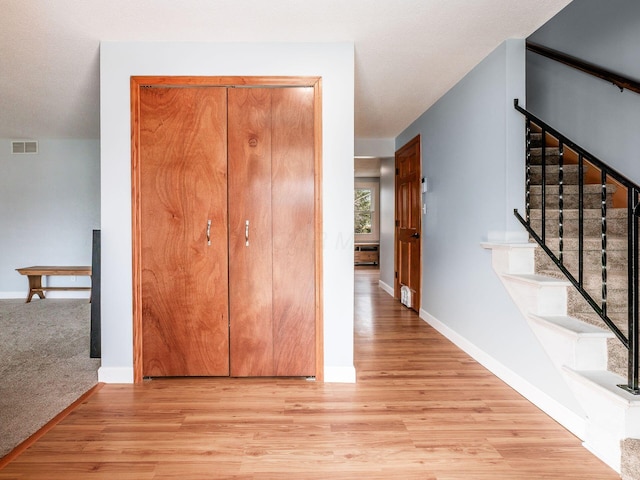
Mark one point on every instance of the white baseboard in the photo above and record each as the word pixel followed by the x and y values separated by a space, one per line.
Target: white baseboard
pixel 69 294
pixel 125 374
pixel 573 422
pixel 339 374
pixel 12 295
pixel 386 287
pixel 115 374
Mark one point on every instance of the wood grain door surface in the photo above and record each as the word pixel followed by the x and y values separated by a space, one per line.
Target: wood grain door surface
pixel 250 244
pixel 244 305
pixel 183 162
pixel 293 207
pixel 271 236
pixel 408 220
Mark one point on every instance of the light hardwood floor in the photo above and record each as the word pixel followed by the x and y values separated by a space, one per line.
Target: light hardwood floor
pixel 421 409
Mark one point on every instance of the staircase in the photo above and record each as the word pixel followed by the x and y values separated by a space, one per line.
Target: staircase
pixel 590 357
pixel 617 256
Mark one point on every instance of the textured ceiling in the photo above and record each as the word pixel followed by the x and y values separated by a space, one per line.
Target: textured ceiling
pixel 408 53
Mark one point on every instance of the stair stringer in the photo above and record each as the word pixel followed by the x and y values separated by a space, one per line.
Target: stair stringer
pixel 576 348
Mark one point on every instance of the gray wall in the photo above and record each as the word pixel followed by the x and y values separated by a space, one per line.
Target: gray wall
pixel 473 158
pixel 592 112
pixel 49 205
pixel 387 219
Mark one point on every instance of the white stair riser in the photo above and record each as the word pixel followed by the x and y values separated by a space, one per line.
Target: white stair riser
pixel 513 260
pixel 537 299
pixel 579 353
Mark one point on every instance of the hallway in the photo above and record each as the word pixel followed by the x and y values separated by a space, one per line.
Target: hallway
pixel 421 409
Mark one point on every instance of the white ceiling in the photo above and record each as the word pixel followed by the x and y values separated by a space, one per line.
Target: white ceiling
pixel 408 53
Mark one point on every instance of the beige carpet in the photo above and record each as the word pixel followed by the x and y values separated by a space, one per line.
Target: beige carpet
pixel 631 459
pixel 44 363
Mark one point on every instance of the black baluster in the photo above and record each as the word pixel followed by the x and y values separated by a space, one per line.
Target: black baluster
pixel 543 189
pixel 603 214
pixel 527 199
pixel 633 211
pixel 560 201
pixel 580 220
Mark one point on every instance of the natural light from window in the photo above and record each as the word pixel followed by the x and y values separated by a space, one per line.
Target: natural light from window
pixel 366 214
pixel 363 211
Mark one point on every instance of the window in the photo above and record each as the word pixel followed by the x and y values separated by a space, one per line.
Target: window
pixel 363 209
pixel 365 201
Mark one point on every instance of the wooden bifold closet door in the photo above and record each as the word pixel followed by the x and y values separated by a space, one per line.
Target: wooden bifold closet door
pixel 183 170
pixel 271 275
pixel 227 234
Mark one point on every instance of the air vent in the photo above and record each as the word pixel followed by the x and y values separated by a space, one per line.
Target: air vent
pixel 24 146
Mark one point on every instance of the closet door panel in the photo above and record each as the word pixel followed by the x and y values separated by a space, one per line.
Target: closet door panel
pixel 183 165
pixel 293 231
pixel 250 245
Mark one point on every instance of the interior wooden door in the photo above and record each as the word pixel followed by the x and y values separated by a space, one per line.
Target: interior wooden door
pixel 408 220
pixel 183 231
pixel 271 231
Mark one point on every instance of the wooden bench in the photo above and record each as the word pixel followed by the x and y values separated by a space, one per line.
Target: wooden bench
pixel 366 253
pixel 35 278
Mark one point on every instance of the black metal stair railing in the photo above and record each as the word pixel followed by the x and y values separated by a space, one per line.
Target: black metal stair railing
pixel 608 176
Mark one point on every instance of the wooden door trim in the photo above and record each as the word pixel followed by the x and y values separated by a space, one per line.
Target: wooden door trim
pixel 139 82
pixel 415 141
pixel 136 228
pixel 183 81
pixel 317 112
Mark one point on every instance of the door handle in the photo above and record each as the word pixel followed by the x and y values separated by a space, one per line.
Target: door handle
pixel 415 235
pixel 208 232
pixel 246 233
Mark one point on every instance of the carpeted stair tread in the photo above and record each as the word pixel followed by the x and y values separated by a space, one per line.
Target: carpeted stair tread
pixel 552 174
pixel 535 139
pixel 617 357
pixel 591 262
pixel 614 242
pixel 616 301
pixel 630 459
pixel 574 213
pixel 616 219
pixel 588 189
pixel 616 282
pixel 552 155
pixel 592 197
